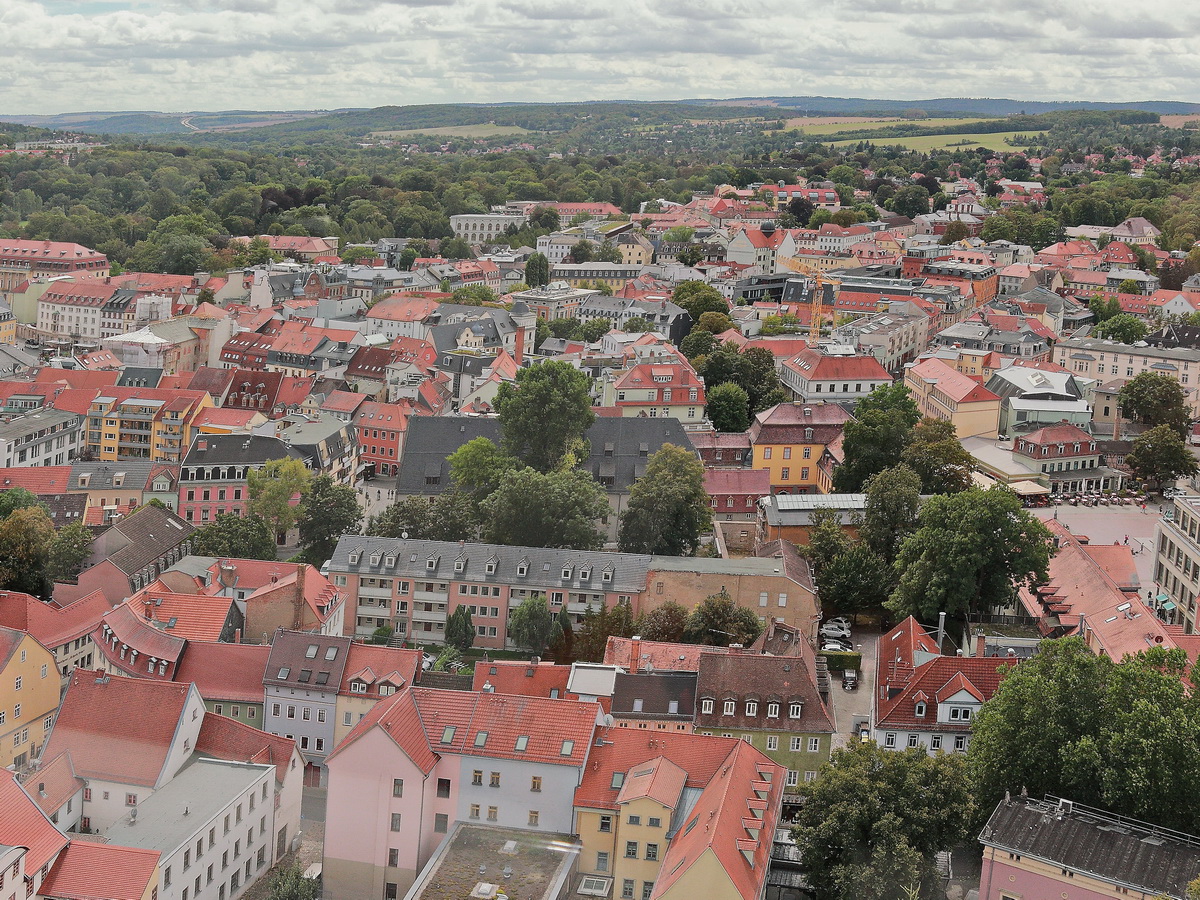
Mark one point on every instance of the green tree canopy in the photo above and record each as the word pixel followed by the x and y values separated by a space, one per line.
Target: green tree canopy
pixel 1122 736
pixel 1160 455
pixel 637 325
pixel 533 626
pixel 26 537
pixel 873 441
pixel 451 516
pixel 718 622
pixel 241 537
pixel 870 824
pixel 277 490
pixel 935 453
pixel 698 298
pixel 968 554
pixel 544 415
pixel 537 270
pixel 1124 328
pixel 69 550
pixel 474 295
pixel 668 507
pixel 18 498
pixel 665 622
pixel 460 629
pixel 555 510
pixel 893 503
pixel 478 467
pixel 289 883
pixel 597 627
pixel 330 510
pixel 728 407
pixel 827 539
pixel 855 580
pixel 1152 398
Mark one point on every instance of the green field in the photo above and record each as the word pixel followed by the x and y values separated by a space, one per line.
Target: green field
pixel 485 130
pixel 832 128
pixel 929 142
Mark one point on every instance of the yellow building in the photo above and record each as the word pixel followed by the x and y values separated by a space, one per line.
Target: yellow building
pixel 789 439
pixel 635 249
pixel 944 393
pixel 29 686
pixel 143 423
pixel 8 326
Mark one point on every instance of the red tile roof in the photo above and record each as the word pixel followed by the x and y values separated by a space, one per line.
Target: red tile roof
pixel 88 871
pixel 637 655
pixel 951 382
pixel 51 625
pixel 53 783
pixel 623 750
pixel 1057 434
pixel 224 738
pixel 523 678
pixel 105 741
pixel 373 664
pixel 23 824
pixel 225 671
pixel 134 632
pixel 196 617
pixel 817 366
pixel 755 482
pixel 936 681
pixel 660 779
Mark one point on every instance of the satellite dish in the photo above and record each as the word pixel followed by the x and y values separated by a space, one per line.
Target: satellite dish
pixel 608 720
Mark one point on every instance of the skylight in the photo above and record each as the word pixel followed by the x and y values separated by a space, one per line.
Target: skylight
pixel 331 653
pixel 311 652
pixel 284 672
pixel 522 742
pixel 481 739
pixel 448 735
pixel 568 747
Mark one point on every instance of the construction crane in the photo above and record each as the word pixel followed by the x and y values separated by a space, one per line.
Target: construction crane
pixel 817 308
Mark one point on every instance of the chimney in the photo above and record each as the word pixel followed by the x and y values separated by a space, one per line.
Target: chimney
pixel 237 635
pixel 201 444
pixel 941 632
pixel 149 610
pixel 635 647
pixel 980 645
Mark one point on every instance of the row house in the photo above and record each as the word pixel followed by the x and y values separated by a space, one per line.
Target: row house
pixel 29 690
pixel 1068 457
pixel 666 389
pixel 944 393
pixel 424 760
pixel 1107 360
pixel 212 477
pixel 22 260
pixel 46 437
pixel 147 423
pixel 133 551
pixel 892 338
pixel 74 310
pixel 734 493
pixel 64 630
pixel 379 431
pixel 762 247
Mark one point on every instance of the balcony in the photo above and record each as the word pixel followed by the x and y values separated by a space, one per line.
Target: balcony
pixel 377 612
pixel 384 593
pixel 418 615
pixel 431 596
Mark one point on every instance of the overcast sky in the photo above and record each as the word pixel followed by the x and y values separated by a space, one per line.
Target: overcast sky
pixel 61 55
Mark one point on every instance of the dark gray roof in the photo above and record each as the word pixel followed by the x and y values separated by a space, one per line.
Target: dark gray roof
pixel 152 533
pixel 134 474
pixel 314 662
pixel 544 568
pixel 237 449
pixel 649 695
pixel 139 376
pixel 619 449
pixel 1081 839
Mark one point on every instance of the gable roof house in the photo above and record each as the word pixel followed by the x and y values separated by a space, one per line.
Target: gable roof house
pixel 134 551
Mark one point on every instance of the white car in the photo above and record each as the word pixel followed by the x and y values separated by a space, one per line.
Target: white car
pixel 1170 493
pixel 834 630
pixel 834 645
pixel 837 620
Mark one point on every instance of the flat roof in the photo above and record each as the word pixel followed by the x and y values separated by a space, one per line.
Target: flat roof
pixel 539 863
pixel 203 787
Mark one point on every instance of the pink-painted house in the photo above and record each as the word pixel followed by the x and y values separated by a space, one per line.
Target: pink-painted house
pixel 423 759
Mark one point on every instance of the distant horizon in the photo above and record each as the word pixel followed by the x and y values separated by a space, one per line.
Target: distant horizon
pixel 72 55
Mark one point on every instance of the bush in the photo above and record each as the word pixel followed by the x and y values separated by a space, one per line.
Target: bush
pixel 838 662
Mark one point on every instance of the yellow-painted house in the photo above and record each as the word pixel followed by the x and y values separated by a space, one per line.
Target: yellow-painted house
pixel 29 688
pixel 789 439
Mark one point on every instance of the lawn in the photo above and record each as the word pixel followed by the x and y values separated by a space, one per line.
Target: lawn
pixel 841 124
pixel 943 141
pixel 484 130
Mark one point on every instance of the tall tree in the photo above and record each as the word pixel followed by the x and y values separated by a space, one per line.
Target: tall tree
pixel 827 539
pixel 277 490
pixel 969 553
pixel 728 407
pixel 1077 724
pixel 556 510
pixel 1123 328
pixel 544 415
pixel 668 506
pixel 663 623
pixel 597 627
pixel 460 629
pixel 1152 398
pixel 26 536
pixel 533 626
pixel 537 270
pixel 698 298
pixel 935 453
pixel 478 467
pixel 69 550
pixel 241 537
pixel 871 823
pixel 330 510
pixel 718 622
pixel 17 498
pixel 1160 455
pixel 856 580
pixel 893 502
pixel 873 441
pixel 408 517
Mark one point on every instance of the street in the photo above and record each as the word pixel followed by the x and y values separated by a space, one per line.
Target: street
pixel 851 707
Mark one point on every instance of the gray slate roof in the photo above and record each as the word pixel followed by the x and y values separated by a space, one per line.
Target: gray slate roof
pixel 237 449
pixel 544 568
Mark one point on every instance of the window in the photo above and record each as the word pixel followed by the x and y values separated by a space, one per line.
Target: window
pixel 797 744
pixel 751 708
pixel 960 742
pixel 568 747
pixel 772 742
pixel 793 778
pixel 730 707
pixel 935 742
pixel 627 889
pixel 474 810
pixel 772 710
pixel 706 707
pixel 631 849
pixel 960 714
pixel 440 823
pixel 889 740
pixel 606 824
pixel 785 474
pixel 493 813
pixel 920 710
pixel 395 822
pixel 17 683
pixel 533 818
pixel 652 851
pixel 794 710
pixel 477 778
pixel 443 787
pixel 654 822
pixel 495 780
pixel 131 799
pixel 814 745
pixel 522 740
pixel 535 783
pixel 766 452
pixel 397 787
pixel 393 857
pixel 601 862
pixel 912 741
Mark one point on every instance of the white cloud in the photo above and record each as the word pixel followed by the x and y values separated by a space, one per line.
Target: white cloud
pixel 275 54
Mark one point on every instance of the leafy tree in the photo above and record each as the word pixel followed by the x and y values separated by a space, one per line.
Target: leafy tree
pixel 18 498
pixel 663 623
pixel 872 442
pixel 453 516
pixel 1151 398
pixel 698 343
pixel 715 322
pixel 826 539
pixel 691 255
pixel 637 325
pixel 753 369
pixel 608 252
pixel 289 883
pixel 474 295
pixel 460 629
pixel 381 635
pixel 533 626
pixel 668 506
pixel 330 510
pixel 893 501
pixel 1104 308
pixel 26 536
pixel 891 397
pixel 1129 286
pixel 1129 725
pixel 698 298
pixel 912 200
pixel 871 823
pixel 478 467
pixel 447 660
pixel 455 248
pixel 545 414
pixel 728 407
pixel 955 231
pixel 240 537
pixel 855 580
pixel 938 457
pixel 718 622
pixel 408 517
pixel 555 510
pixel 69 550
pixel 1123 328
pixel 582 251
pixel 802 209
pixel 969 553
pixel 537 270
pixel 594 329
pixel 597 626
pixel 277 490
pixel 1160 455
pixel 680 234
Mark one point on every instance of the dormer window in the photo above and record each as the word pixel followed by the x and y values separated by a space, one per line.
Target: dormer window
pixel 311 652
pixel 390 560
pixel 730 707
pixel 794 710
pixel 331 653
pixel 431 563
pixel 706 706
pixel 566 573
pixel 608 574
pixel 375 557
pixel 751 708
pixel 460 564
pixel 960 714
pixel 355 556
pixel 358 687
pixel 772 710
pixel 585 574
pixel 490 566
pixel 919 712
pixel 523 568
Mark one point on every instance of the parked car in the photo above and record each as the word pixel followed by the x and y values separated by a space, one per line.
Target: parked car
pixel 834 630
pixel 836 645
pixel 837 620
pixel 427 661
pixel 850 680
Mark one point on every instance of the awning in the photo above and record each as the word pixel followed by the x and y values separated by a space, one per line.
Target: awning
pixel 982 481
pixel 1167 606
pixel 1028 488
pixel 1162 598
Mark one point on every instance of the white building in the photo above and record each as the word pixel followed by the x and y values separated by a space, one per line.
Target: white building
pixel 47 437
pixel 480 228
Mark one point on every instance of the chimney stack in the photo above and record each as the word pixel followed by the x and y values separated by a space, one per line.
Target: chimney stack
pixel 635 647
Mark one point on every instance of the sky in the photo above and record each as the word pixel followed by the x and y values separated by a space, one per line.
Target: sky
pixel 176 56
